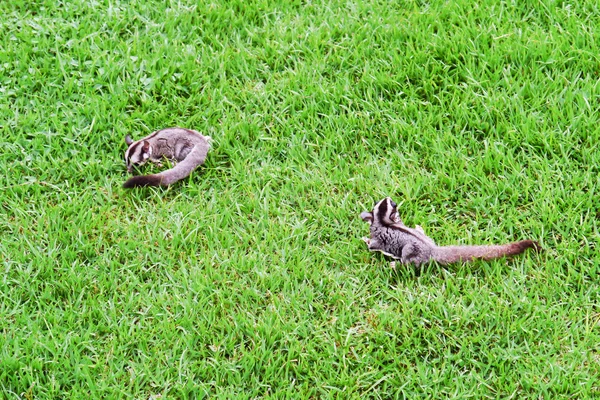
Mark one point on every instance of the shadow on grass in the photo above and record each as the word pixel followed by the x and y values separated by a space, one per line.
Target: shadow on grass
pixel 478 268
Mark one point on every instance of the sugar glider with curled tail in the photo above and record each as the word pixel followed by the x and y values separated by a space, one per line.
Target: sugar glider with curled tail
pixel 411 246
pixel 186 147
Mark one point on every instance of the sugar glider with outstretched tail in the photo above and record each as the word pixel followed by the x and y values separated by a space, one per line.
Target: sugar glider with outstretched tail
pixel 186 147
pixel 411 246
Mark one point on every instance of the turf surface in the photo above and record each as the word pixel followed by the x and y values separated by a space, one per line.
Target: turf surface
pixel 249 279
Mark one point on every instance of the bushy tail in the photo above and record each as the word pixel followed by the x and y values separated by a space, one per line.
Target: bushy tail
pixel 178 172
pixel 453 254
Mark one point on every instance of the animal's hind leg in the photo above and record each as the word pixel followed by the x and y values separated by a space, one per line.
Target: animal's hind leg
pixel 411 255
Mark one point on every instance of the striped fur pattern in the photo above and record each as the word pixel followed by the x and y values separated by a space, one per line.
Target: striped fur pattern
pixel 411 246
pixel 186 147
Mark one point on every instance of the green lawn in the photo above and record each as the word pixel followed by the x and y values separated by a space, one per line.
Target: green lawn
pixel 249 279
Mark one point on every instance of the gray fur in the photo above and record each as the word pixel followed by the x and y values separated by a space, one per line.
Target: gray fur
pixel 186 147
pixel 411 246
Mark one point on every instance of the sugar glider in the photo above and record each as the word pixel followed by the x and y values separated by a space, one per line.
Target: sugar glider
pixel 186 147
pixel 411 246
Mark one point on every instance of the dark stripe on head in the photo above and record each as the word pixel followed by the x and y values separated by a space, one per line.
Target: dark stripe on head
pixel 382 211
pixel 132 147
pixel 134 154
pixel 135 144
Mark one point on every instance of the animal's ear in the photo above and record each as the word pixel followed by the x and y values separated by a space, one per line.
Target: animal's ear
pixel 367 216
pixel 146 150
pixel 128 140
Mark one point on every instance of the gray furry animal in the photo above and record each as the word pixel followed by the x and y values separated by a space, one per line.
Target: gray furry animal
pixel 186 147
pixel 411 246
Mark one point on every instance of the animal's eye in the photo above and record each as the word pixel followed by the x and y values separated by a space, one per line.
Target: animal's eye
pixel 394 204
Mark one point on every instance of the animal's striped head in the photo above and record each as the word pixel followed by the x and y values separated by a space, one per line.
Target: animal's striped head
pixel 137 153
pixel 384 213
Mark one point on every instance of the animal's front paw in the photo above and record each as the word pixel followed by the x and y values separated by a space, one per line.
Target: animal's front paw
pixel 393 265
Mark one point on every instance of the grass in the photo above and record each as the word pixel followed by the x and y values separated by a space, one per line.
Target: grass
pixel 249 279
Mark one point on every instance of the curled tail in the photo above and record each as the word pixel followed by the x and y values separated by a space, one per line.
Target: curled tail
pixel 453 254
pixel 183 169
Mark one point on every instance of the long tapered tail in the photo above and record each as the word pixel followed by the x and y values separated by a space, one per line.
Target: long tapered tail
pixel 184 168
pixel 453 254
